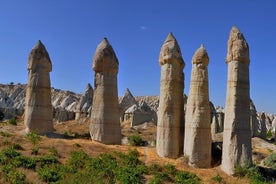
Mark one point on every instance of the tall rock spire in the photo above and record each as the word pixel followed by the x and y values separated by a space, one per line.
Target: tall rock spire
pixel 38 109
pixel 170 125
pixel 237 134
pixel 105 118
pixel 197 146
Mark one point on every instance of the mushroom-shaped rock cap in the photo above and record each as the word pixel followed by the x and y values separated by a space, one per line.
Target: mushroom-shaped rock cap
pixel 105 59
pixel 39 58
pixel 170 52
pixel 238 49
pixel 200 56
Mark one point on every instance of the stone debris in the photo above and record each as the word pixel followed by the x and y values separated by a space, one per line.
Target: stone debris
pixel 170 125
pixel 38 108
pixel 198 141
pixel 237 148
pixel 105 117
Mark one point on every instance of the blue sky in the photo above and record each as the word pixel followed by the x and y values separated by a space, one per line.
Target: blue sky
pixel 71 31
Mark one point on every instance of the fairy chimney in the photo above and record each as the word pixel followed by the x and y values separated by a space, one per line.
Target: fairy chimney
pixel 38 109
pixel 237 134
pixel 197 142
pixel 105 118
pixel 170 125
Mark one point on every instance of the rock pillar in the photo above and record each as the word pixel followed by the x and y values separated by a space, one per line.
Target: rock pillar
pixel 38 109
pixel 170 113
pixel 253 120
pixel 237 134
pixel 197 141
pixel 105 118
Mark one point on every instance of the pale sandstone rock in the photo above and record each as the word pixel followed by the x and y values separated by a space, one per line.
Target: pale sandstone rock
pixel 105 118
pixel 126 101
pixel 253 120
pixel 237 148
pixel 197 141
pixel 170 125
pixel 86 100
pixel 38 109
pixel 262 125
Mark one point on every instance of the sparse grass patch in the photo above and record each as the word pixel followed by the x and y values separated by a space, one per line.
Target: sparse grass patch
pixel 5 134
pixel 13 121
pixel 218 179
pixel 136 140
pixel 271 161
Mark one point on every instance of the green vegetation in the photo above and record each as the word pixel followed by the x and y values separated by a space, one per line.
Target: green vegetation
pixel 252 172
pixel 136 140
pixel 269 134
pixel 218 179
pixel 33 137
pixel 116 167
pixel 13 121
pixel 271 161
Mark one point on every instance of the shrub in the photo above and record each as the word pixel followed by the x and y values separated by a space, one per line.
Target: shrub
pixel 271 160
pixel 34 151
pixel 16 146
pixel 170 169
pixel 13 121
pixel 183 177
pixel 269 134
pixel 136 140
pixel 77 159
pixel 26 162
pixel 160 178
pixel 46 160
pixel 50 173
pixel 218 179
pixel 53 151
pixel 33 137
pixel 15 177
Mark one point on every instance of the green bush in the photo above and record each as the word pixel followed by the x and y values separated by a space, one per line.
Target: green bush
pixel 50 173
pixel 136 140
pixel 13 121
pixel 33 137
pixel 183 177
pixel 46 160
pixel 23 161
pixel 35 151
pixel 53 151
pixel 16 146
pixel 269 134
pixel 160 178
pixel 271 161
pixel 15 177
pixel 77 159
pixel 218 179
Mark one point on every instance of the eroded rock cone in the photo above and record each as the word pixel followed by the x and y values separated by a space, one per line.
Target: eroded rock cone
pixel 105 118
pixel 237 134
pixel 38 109
pixel 170 125
pixel 197 142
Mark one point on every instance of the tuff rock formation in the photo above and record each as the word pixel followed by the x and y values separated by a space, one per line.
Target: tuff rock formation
pixel 237 134
pixel 262 125
pixel 127 101
pixel 170 125
pixel 38 109
pixel 197 141
pixel 253 120
pixel 105 118
pixel 84 107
